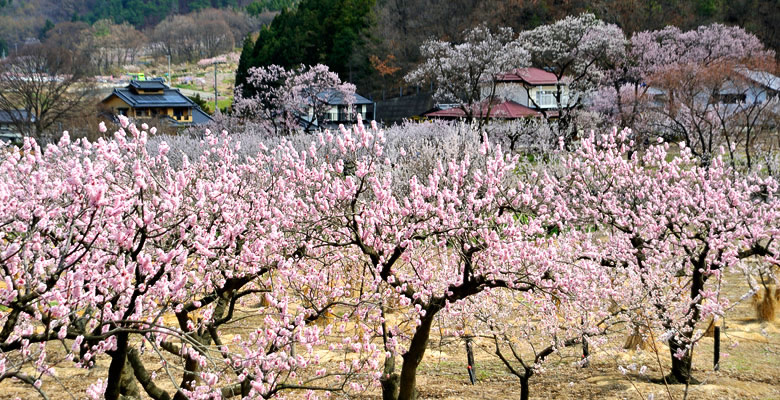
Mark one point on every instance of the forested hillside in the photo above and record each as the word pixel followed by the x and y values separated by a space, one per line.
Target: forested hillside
pixel 390 47
pixel 21 20
pixel 330 32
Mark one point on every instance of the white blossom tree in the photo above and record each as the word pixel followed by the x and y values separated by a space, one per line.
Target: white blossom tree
pixel 577 50
pixel 287 100
pixel 467 73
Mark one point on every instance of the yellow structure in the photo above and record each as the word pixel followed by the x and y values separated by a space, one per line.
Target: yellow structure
pixel 153 99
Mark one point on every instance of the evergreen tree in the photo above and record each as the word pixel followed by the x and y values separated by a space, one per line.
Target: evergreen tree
pixel 317 31
pixel 196 5
pixel 244 63
pixel 46 28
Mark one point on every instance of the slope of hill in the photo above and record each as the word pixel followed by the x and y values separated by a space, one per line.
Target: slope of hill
pixel 23 19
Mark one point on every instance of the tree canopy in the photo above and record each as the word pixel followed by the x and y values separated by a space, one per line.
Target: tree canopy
pixel 146 12
pixel 256 8
pixel 317 32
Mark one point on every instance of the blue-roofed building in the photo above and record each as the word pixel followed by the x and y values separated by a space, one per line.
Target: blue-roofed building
pixel 147 99
pixel 10 123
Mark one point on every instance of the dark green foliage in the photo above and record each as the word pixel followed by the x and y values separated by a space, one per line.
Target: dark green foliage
pixel 258 7
pixel 326 32
pixel 196 5
pixel 46 28
pixel 143 13
pixel 761 17
pixel 4 3
pixel 135 12
pixel 708 8
pixel 244 63
pixel 199 101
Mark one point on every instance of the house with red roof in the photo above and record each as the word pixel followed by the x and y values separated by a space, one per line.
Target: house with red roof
pixel 520 93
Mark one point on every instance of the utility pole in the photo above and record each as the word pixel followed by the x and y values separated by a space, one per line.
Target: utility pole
pixel 170 77
pixel 216 108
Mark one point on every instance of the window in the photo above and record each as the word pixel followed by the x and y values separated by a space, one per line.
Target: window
pixel 329 115
pixel 730 98
pixel 180 114
pixel 545 98
pixel 343 113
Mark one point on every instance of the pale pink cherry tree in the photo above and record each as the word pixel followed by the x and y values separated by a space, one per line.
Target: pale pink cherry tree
pixel 747 110
pixel 231 57
pixel 578 50
pixel 672 229
pixel 281 354
pixel 431 241
pixel 317 90
pixel 689 85
pixel 49 226
pixel 288 100
pixel 467 73
pixel 115 254
pixel 524 329
pixel 626 104
pixel 270 104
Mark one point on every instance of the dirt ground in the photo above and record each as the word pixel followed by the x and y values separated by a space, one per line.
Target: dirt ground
pixel 749 369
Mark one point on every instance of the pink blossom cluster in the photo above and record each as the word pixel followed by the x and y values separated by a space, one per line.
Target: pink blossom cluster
pixel 314 266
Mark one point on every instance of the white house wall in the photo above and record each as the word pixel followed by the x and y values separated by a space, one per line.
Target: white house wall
pixel 517 92
pixel 333 111
pixel 508 91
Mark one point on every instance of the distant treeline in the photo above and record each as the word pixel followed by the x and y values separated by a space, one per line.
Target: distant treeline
pixel 141 13
pixel 184 37
pixel 375 43
pixel 258 7
pixel 23 21
pixel 330 32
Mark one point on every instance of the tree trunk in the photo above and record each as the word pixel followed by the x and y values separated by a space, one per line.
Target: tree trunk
pixel 118 361
pixel 681 367
pixel 524 389
pixel 716 356
pixel 413 357
pixel 389 380
pixel 585 352
pixel 127 385
pixel 189 377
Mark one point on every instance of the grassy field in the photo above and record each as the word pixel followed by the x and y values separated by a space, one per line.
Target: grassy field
pixel 222 103
pixel 191 86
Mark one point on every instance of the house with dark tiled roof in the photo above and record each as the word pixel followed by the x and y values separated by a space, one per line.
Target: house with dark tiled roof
pixel 147 99
pixel 11 121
